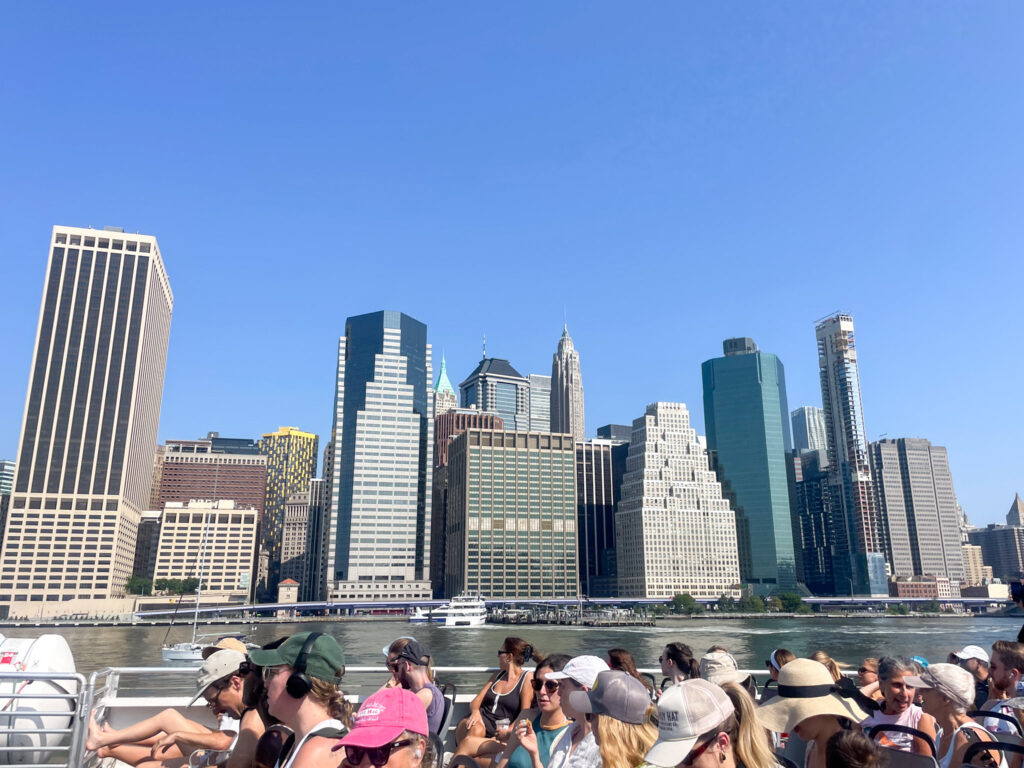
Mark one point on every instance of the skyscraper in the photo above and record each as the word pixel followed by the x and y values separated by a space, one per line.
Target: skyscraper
pixel 512 515
pixel 316 545
pixel 600 465
pixel 85 458
pixel 674 531
pixel 540 403
pixel 6 476
pixel 445 398
pixel 291 464
pixel 817 519
pixel 567 389
pixel 914 491
pixel 379 540
pixel 496 387
pixel 858 546
pixel 1016 514
pixel 809 429
pixel 192 469
pixel 745 414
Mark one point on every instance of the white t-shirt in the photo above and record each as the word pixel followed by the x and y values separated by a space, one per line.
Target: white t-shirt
pixel 910 717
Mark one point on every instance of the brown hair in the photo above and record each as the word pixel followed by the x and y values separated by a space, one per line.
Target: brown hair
pixel 852 749
pixel 782 656
pixel 331 697
pixel 681 655
pixel 830 664
pixel 622 660
pixel 1010 654
pixel 521 650
pixel 625 745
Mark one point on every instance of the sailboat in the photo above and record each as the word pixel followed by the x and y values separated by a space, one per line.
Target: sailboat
pixel 190 651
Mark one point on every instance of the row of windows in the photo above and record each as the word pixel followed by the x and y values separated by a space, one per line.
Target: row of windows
pixel 62 238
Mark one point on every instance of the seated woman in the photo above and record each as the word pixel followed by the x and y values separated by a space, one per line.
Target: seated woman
pixel 812 705
pixel 898 708
pixel 302 677
pixel 501 699
pixel 168 738
pixel 537 731
pixel 622 660
pixel 622 716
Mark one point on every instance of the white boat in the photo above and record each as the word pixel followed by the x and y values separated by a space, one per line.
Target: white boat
pixel 464 611
pixel 191 650
pixel 420 616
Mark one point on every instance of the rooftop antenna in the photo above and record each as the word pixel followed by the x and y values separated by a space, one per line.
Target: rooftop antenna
pixel 485 346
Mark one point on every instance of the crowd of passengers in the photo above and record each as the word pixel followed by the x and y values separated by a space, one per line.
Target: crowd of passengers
pixel 282 706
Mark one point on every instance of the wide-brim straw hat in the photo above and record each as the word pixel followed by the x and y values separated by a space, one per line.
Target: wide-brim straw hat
pixel 806 689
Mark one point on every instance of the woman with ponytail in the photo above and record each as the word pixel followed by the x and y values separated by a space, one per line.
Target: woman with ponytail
pixel 505 695
pixel 677 662
pixel 708 726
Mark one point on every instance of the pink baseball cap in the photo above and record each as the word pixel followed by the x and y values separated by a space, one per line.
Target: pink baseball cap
pixel 382 718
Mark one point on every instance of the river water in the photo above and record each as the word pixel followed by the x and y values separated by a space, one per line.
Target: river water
pixel 750 640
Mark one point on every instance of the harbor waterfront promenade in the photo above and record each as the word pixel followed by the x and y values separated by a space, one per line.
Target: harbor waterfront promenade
pixel 750 640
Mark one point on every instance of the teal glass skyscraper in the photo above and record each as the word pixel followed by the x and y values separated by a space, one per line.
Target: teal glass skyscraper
pixel 747 422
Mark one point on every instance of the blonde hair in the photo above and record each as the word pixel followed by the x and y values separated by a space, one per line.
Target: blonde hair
pixel 830 664
pixel 331 698
pixel 625 745
pixel 748 737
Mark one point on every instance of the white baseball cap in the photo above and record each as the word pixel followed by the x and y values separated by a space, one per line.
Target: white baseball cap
pixel 972 652
pixel 582 669
pixel 216 667
pixel 720 667
pixel 685 712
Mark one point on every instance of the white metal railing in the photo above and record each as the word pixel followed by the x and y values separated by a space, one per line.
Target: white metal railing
pixel 30 747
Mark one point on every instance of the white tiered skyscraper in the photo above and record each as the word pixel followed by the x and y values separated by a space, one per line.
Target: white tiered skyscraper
pixel 567 389
pixel 674 531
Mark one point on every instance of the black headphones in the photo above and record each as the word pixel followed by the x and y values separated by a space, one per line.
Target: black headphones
pixel 299 684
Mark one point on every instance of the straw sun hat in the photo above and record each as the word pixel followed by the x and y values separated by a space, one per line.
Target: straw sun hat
pixel 806 689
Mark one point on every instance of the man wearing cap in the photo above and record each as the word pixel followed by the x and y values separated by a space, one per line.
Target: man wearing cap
pixel 410 665
pixel 390 730
pixel 576 747
pixel 975 660
pixel 168 736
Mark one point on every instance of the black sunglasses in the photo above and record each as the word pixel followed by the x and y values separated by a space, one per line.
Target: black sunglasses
pixel 691 758
pixel 246 667
pixel 378 755
pixel 548 685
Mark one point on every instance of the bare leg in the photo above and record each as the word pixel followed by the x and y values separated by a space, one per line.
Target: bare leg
pixel 168 721
pixel 468 738
pixel 133 754
pixel 178 762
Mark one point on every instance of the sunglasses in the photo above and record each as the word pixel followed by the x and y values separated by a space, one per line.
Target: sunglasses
pixel 691 758
pixel 548 685
pixel 503 653
pixel 392 664
pixel 246 667
pixel 378 755
pixel 866 671
pixel 215 700
pixel 270 672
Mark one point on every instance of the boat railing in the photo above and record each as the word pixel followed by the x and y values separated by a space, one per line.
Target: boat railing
pixel 18 744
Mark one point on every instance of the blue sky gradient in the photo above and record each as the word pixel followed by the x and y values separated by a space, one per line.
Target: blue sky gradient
pixel 665 174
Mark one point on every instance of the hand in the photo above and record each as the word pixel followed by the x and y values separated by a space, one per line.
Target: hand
pixel 527 738
pixel 503 734
pixel 473 719
pixel 162 744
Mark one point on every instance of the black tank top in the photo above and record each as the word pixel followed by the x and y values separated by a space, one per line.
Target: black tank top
pixel 498 706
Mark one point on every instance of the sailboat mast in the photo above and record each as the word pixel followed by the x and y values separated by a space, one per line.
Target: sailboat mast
pixel 199 586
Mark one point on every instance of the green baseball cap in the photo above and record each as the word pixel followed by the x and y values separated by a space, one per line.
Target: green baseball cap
pixel 323 662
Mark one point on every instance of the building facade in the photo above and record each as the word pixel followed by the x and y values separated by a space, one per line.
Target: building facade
pixel 448 426
pixel 674 532
pixel 380 505
pixel 295 538
pixel 1016 514
pixel 1002 548
pixel 620 433
pixel 291 463
pixel 314 577
pixel 600 465
pixel 192 469
pixel 6 476
pixel 816 518
pixel 496 387
pixel 540 402
pixel 85 457
pixel 918 508
pixel 745 414
pixel 809 429
pixel 976 573
pixel 859 541
pixel 146 544
pixel 211 540
pixel 512 515
pixel 567 389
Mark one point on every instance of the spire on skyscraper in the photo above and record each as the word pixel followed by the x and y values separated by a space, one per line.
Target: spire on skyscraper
pixel 445 398
pixel 567 388
pixel 1016 514
pixel 443 383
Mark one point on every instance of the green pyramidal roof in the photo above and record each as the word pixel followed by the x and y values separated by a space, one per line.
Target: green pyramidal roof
pixel 443 384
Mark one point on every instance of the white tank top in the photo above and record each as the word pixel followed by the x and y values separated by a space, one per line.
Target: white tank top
pixel 324 724
pixel 947 756
pixel 910 717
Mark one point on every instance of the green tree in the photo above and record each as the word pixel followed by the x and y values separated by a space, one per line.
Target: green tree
pixel 773 604
pixel 726 604
pixel 750 604
pixel 138 585
pixel 898 610
pixel 188 585
pixel 685 604
pixel 790 602
pixel 932 606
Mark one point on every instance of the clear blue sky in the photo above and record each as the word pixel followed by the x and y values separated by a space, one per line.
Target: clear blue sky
pixel 666 174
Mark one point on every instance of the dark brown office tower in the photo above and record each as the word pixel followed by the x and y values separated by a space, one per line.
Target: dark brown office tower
pixel 192 470
pixel 447 427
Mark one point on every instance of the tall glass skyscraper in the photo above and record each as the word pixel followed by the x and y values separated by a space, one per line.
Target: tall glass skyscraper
pixel 381 467
pixel 88 436
pixel 859 539
pixel 809 429
pixel 496 387
pixel 745 415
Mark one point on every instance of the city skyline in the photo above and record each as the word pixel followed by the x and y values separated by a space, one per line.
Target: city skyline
pixel 744 173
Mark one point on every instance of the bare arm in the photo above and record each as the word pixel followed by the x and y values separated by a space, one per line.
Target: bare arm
pixel 189 742
pixel 243 755
pixel 317 753
pixel 526 693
